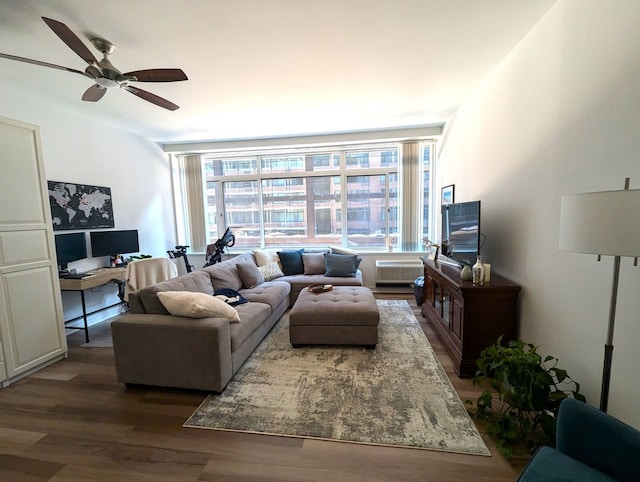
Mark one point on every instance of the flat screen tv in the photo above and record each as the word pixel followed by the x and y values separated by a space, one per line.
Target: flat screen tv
pixel 70 247
pixel 461 232
pixel 111 243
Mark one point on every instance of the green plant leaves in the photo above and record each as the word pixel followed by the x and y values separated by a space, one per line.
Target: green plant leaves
pixel 526 391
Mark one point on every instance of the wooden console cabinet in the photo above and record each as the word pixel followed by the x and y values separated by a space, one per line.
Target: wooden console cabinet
pixel 468 318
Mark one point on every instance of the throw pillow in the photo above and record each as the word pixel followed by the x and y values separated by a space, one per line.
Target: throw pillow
pixel 313 263
pixel 224 275
pixel 341 265
pixel 266 256
pixel 291 262
pixel 270 271
pixel 341 250
pixel 196 305
pixel 229 296
pixel 250 275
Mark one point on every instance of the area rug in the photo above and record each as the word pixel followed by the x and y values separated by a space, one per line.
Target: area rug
pixel 395 395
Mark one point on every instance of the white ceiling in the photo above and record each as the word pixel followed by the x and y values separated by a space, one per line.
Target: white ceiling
pixel 260 68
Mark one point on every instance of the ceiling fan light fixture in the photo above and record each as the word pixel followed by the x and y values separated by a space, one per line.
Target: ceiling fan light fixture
pixel 107 83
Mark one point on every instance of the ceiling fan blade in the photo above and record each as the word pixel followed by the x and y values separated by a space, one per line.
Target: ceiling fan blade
pixel 149 97
pixel 94 93
pixel 41 63
pixel 71 39
pixel 158 75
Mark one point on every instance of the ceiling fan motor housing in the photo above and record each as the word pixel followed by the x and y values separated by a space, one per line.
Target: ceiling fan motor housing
pixel 103 45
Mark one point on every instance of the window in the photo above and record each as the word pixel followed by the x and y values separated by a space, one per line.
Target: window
pixel 426 194
pixel 298 198
pixel 366 203
pixel 241 203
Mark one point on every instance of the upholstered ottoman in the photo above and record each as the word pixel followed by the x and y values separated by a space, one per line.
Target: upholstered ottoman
pixel 346 315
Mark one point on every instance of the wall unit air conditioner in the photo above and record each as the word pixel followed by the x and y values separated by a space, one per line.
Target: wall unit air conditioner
pixel 397 273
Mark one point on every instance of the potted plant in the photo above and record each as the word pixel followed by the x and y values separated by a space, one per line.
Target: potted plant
pixel 523 395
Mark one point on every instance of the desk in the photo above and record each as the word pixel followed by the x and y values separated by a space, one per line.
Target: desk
pixel 102 276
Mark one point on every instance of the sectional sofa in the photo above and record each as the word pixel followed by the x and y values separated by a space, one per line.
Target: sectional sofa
pixel 200 346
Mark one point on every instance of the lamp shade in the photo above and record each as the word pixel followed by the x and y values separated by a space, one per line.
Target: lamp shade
pixel 605 223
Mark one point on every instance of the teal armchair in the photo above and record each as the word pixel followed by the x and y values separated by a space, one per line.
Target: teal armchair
pixel 590 446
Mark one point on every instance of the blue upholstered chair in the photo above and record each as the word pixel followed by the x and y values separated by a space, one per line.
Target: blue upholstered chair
pixel 590 446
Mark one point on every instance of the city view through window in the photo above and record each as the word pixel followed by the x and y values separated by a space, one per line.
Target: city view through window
pixel 346 197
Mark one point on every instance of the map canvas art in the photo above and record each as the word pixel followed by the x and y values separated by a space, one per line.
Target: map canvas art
pixel 80 206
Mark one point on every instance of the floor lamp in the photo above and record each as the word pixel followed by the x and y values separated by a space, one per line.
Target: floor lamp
pixel 603 223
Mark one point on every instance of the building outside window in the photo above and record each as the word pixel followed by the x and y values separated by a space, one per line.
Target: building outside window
pixel 298 198
pixel 426 195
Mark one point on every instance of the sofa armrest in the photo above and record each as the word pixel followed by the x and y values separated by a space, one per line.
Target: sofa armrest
pixel 598 440
pixel 172 351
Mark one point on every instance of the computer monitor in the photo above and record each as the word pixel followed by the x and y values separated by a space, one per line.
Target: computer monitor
pixel 111 243
pixel 70 247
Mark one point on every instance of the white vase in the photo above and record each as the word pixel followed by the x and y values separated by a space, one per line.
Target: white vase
pixel 477 272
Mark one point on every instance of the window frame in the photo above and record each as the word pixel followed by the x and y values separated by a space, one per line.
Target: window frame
pixel 407 194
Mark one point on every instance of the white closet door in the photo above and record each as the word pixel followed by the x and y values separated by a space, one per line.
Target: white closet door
pixel 31 324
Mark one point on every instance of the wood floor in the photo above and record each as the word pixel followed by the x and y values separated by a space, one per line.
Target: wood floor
pixel 73 422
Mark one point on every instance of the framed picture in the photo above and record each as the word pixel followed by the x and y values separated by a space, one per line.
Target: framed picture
pixel 80 206
pixel 432 252
pixel 448 195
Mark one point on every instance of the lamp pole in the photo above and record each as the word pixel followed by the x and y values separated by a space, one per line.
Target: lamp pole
pixel 608 347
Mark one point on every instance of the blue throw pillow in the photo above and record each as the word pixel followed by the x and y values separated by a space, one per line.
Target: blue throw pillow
pixel 291 262
pixel 341 265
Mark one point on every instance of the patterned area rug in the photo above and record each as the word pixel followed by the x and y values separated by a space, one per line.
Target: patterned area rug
pixel 395 395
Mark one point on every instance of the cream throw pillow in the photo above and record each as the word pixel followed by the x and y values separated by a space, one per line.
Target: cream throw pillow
pixel 270 271
pixel 265 257
pixel 197 305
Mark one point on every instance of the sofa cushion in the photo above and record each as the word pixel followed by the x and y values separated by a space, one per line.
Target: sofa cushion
pixel 225 274
pixel 270 271
pixel 270 292
pixel 252 316
pixel 291 261
pixel 197 305
pixel 197 281
pixel 313 263
pixel 249 274
pixel 266 256
pixel 340 265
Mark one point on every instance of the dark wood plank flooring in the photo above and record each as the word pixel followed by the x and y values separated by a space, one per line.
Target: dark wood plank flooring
pixel 73 422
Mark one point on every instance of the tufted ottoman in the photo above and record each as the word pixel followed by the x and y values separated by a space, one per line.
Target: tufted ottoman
pixel 346 315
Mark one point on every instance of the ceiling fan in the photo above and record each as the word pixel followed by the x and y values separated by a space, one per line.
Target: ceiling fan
pixel 102 72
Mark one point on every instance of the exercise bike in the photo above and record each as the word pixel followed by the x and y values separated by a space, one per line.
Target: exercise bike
pixel 216 250
pixel 181 252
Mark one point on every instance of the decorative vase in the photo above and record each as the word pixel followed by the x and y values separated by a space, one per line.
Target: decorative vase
pixel 477 272
pixel 465 273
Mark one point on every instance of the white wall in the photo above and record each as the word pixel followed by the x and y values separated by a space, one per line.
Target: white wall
pixel 559 116
pixel 82 150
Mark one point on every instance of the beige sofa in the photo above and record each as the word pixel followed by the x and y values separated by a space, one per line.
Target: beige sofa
pixel 153 347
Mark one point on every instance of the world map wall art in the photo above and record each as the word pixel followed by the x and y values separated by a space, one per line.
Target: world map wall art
pixel 80 206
